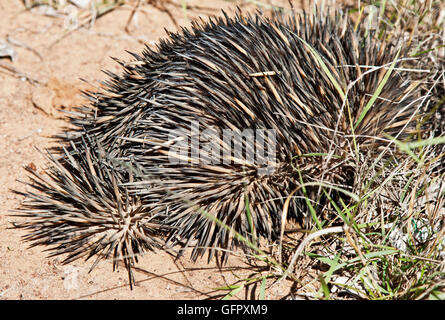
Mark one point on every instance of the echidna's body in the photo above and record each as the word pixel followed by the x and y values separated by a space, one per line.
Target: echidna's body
pixel 119 186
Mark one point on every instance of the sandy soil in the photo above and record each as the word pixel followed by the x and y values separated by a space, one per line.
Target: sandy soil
pixel 45 77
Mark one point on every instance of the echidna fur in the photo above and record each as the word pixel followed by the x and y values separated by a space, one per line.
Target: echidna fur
pixel 115 192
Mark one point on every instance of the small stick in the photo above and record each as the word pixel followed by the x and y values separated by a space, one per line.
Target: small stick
pixel 18 73
pixel 38 131
pixel 88 21
pixel 306 241
pixel 133 13
pixel 18 43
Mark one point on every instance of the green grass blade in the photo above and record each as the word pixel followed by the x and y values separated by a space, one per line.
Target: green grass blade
pixel 377 91
pixel 324 67
pixel 233 292
pixel 262 288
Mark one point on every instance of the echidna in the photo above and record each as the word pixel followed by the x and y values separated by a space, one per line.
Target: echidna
pixel 151 153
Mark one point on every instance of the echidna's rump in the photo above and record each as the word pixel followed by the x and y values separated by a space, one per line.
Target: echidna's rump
pixel 220 120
